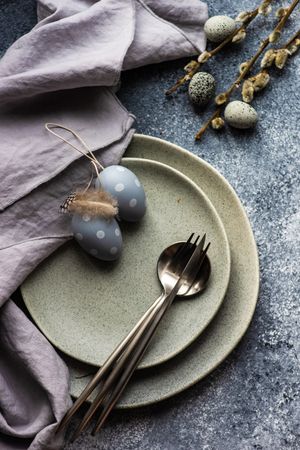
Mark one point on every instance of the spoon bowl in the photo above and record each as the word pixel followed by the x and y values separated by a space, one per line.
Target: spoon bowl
pixel 168 274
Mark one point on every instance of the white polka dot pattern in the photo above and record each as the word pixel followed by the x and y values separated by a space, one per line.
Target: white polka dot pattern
pixel 126 187
pixel 119 187
pixel 133 202
pixel 99 237
pixel 86 217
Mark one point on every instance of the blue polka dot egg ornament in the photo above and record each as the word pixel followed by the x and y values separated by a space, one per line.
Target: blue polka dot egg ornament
pixel 93 223
pixel 117 193
pixel 124 185
pixel 99 237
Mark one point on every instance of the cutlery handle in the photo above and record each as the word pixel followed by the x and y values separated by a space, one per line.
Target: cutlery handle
pixel 137 354
pixel 142 325
pixel 107 366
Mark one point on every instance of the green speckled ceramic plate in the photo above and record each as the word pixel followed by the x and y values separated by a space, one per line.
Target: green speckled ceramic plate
pixel 85 307
pixel 235 314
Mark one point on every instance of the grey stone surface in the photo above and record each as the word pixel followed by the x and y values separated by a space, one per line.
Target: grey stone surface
pixel 252 400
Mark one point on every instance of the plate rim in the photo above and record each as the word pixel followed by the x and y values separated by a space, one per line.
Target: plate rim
pixel 161 360
pixel 256 273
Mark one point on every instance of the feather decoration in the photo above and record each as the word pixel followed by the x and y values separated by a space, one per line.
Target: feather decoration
pixel 64 208
pixel 94 203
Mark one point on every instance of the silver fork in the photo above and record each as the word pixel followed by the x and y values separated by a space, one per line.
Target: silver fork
pixel 179 270
pixel 138 351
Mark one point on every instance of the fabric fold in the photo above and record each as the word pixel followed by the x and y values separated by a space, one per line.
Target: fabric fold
pixel 83 53
pixel 63 71
pixel 32 397
pixel 31 156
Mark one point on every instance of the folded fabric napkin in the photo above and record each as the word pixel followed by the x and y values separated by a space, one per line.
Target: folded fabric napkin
pixel 63 71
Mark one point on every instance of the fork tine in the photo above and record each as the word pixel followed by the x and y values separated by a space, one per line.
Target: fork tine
pixel 206 248
pixel 202 242
pixel 190 238
pixel 203 254
pixel 182 248
pixel 197 239
pixel 187 247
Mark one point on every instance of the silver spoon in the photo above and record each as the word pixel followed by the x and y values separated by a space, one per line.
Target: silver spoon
pixel 175 278
pixel 201 278
pixel 172 279
pixel 169 267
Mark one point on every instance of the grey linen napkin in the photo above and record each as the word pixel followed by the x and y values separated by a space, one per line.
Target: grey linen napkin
pixel 63 71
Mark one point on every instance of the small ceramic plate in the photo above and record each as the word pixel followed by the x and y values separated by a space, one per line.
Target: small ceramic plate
pixel 235 314
pixel 85 307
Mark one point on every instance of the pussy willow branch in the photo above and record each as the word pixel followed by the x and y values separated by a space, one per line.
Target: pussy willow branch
pixel 247 68
pixel 285 47
pixel 196 65
pixel 293 38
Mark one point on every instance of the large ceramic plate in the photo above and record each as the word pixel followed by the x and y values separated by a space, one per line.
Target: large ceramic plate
pixel 85 307
pixel 235 314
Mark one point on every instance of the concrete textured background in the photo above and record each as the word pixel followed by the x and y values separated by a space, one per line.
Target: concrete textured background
pixel 252 400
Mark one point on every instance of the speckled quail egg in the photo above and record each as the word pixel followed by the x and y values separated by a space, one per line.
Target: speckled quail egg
pixel 124 185
pixel 202 88
pixel 218 28
pixel 240 115
pixel 99 237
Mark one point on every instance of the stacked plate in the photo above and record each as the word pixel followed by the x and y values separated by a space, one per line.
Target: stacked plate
pixel 85 307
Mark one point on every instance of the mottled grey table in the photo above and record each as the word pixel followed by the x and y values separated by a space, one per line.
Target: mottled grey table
pixel 252 400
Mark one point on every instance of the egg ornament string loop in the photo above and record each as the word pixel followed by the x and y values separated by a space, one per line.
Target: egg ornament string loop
pixel 90 155
pixel 91 177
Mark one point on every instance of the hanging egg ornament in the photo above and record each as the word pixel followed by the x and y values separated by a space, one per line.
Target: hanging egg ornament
pixel 93 223
pixel 218 28
pixel 99 237
pixel 117 190
pixel 124 185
